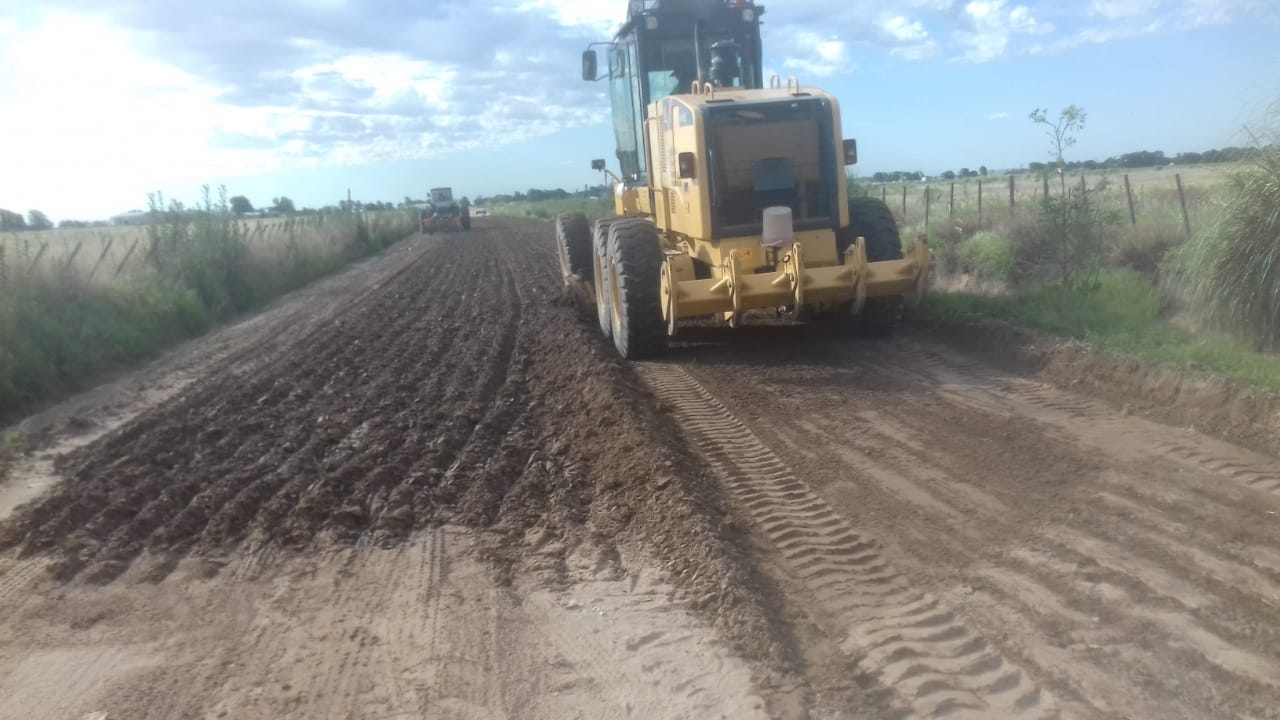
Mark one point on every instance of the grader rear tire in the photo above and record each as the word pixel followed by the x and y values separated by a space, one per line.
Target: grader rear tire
pixel 635 266
pixel 600 274
pixel 573 244
pixel 870 218
pixel 873 220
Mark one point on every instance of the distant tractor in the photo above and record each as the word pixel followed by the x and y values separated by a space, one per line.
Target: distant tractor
pixel 443 214
pixel 732 195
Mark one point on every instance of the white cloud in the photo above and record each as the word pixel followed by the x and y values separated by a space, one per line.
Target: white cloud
pixel 103 126
pixel 101 119
pixel 919 51
pixel 818 56
pixel 992 26
pixel 160 94
pixel 1196 13
pixel 910 38
pixel 998 116
pixel 904 29
pixel 602 16
pixel 1123 9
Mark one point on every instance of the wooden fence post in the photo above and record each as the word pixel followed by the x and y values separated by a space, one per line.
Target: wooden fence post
pixel 4 269
pixel 1182 200
pixel 884 190
pixel 127 255
pixel 1045 177
pixel 951 202
pixel 904 203
pixel 39 254
pixel 979 202
pixel 1011 201
pixel 110 241
pixel 926 208
pixel 74 253
pixel 1128 193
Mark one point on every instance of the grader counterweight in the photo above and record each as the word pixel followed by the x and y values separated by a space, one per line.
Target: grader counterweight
pixel 732 195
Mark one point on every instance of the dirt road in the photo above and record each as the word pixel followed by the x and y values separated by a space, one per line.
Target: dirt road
pixel 426 489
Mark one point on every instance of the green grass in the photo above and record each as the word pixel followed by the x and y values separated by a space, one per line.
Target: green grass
pixel 549 209
pixel 988 256
pixel 1123 314
pixel 1232 270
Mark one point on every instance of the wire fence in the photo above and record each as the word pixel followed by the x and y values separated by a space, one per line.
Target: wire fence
pixel 1148 198
pixel 121 253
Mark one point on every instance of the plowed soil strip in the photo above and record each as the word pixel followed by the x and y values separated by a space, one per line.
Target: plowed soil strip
pixel 909 640
pixel 458 387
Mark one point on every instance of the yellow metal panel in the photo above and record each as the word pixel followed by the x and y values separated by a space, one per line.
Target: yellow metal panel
pixel 689 200
pixel 627 200
pixel 643 202
pixel 619 199
pixel 842 183
pixel 904 277
pixel 703 297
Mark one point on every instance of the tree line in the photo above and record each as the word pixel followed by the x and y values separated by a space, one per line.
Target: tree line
pixel 537 195
pixel 11 221
pixel 1131 160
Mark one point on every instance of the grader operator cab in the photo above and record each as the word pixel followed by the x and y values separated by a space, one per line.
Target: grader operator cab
pixel 732 195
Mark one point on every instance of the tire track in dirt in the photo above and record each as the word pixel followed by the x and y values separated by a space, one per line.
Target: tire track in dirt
pixel 1125 581
pixel 1101 424
pixel 910 641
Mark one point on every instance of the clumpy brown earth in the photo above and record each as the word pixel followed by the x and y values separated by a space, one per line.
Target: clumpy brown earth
pixel 463 390
pixel 428 489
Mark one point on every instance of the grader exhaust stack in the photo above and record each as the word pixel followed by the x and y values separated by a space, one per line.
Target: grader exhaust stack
pixel 732 195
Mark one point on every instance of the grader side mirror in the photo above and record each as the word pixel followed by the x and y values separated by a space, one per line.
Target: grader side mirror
pixel 589 65
pixel 597 165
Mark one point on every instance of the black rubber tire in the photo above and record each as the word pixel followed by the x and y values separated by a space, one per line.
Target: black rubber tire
pixel 635 267
pixel 873 220
pixel 600 273
pixel 573 243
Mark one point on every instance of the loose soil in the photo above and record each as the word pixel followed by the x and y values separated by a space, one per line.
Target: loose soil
pixel 990 543
pixel 432 491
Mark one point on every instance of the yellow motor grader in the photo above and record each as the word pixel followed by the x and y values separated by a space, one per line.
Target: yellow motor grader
pixel 732 195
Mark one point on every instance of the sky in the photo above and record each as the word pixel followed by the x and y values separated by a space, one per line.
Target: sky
pixel 103 102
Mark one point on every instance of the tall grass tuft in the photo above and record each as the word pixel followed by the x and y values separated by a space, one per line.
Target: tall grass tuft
pixel 1231 272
